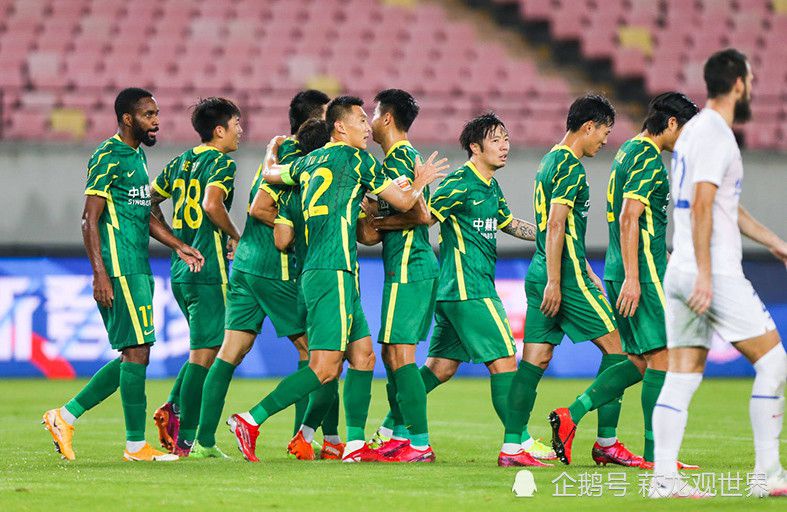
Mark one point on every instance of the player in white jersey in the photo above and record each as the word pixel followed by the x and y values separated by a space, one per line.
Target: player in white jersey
pixel 705 288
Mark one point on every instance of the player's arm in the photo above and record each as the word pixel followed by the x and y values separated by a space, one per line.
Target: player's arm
pixel 191 256
pixel 155 208
pixel 102 286
pixel 418 215
pixel 213 206
pixel 555 238
pixel 701 232
pixel 271 170
pixel 264 208
pixel 283 235
pixel 630 292
pixel 521 229
pixel 755 230
pixel 425 173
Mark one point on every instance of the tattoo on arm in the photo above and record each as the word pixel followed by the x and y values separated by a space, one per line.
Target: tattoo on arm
pixel 521 229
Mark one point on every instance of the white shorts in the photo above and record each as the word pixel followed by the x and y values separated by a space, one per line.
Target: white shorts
pixel 736 312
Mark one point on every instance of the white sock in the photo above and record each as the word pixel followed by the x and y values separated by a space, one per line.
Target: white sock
pixel 766 409
pixel 353 446
pixel 420 448
pixel 67 416
pixel 397 438
pixel 308 433
pixel 669 420
pixel 527 444
pixel 335 439
pixel 511 448
pixel 134 446
pixel 385 432
pixel 604 442
pixel 247 416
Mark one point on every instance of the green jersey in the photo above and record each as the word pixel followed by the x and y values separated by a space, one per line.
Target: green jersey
pixel 638 173
pixel 333 181
pixel 119 174
pixel 256 253
pixel 407 254
pixel 561 179
pixel 186 179
pixel 470 209
pixel 290 214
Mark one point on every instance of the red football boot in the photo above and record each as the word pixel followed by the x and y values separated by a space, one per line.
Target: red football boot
pixel 409 454
pixel 246 435
pixel 363 454
pixel 168 425
pixel 681 466
pixel 563 431
pixel 300 448
pixel 331 451
pixel 392 446
pixel 615 454
pixel 520 458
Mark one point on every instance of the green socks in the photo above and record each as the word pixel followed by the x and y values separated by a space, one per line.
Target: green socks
pixel 411 396
pixel 521 399
pixel 651 387
pixel 214 392
pixel 300 405
pixel 319 403
pixel 99 387
pixel 190 400
pixel 608 386
pixel 132 393
pixel 174 394
pixel 357 396
pixel 609 414
pixel 430 379
pixel 500 384
pixel 394 417
pixel 330 423
pixel 293 388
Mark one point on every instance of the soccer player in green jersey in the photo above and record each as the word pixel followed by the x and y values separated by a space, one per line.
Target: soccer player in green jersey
pixel 410 285
pixel 564 295
pixel 201 184
pixel 262 284
pixel 637 198
pixel 116 227
pixel 333 180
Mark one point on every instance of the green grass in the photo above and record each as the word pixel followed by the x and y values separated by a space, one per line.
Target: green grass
pixel 465 434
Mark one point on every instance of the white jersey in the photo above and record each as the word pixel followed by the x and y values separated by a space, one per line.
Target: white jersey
pixel 706 151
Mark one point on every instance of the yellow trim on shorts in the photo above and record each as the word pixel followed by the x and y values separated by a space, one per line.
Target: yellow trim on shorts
pixel 408 245
pixel 390 314
pixel 285 266
pixel 342 310
pixel 131 309
pixel 654 275
pixel 224 293
pixel 572 252
pixel 500 325
pixel 220 256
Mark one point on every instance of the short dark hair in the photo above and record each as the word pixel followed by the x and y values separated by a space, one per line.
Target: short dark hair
pixel 401 105
pixel 313 134
pixel 476 130
pixel 306 105
pixel 666 105
pixel 722 70
pixel 126 101
pixel 212 112
pixel 339 107
pixel 590 107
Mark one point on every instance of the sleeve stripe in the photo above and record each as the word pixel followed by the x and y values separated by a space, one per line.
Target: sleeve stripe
pixel 267 189
pixel 99 193
pixel 161 191
pixel 282 220
pixel 382 187
pixel 219 185
pixel 437 214
pixel 560 200
pixel 637 197
pixel 505 222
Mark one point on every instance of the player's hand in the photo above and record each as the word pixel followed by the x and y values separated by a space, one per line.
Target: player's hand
pixel 552 297
pixel 273 146
pixel 192 257
pixel 596 280
pixel 429 171
pixel 232 245
pixel 102 289
pixel 780 251
pixel 628 300
pixel 369 207
pixel 701 296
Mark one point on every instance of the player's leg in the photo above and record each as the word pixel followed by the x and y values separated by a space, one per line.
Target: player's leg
pixel 300 343
pixel 652 382
pixel 199 364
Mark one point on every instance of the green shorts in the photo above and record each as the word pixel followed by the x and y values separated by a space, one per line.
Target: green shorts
pixel 585 314
pixel 129 321
pixel 474 330
pixel 334 316
pixel 203 306
pixel 407 311
pixel 646 330
pixel 251 298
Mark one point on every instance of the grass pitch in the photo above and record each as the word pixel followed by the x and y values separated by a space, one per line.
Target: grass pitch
pixel 466 436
